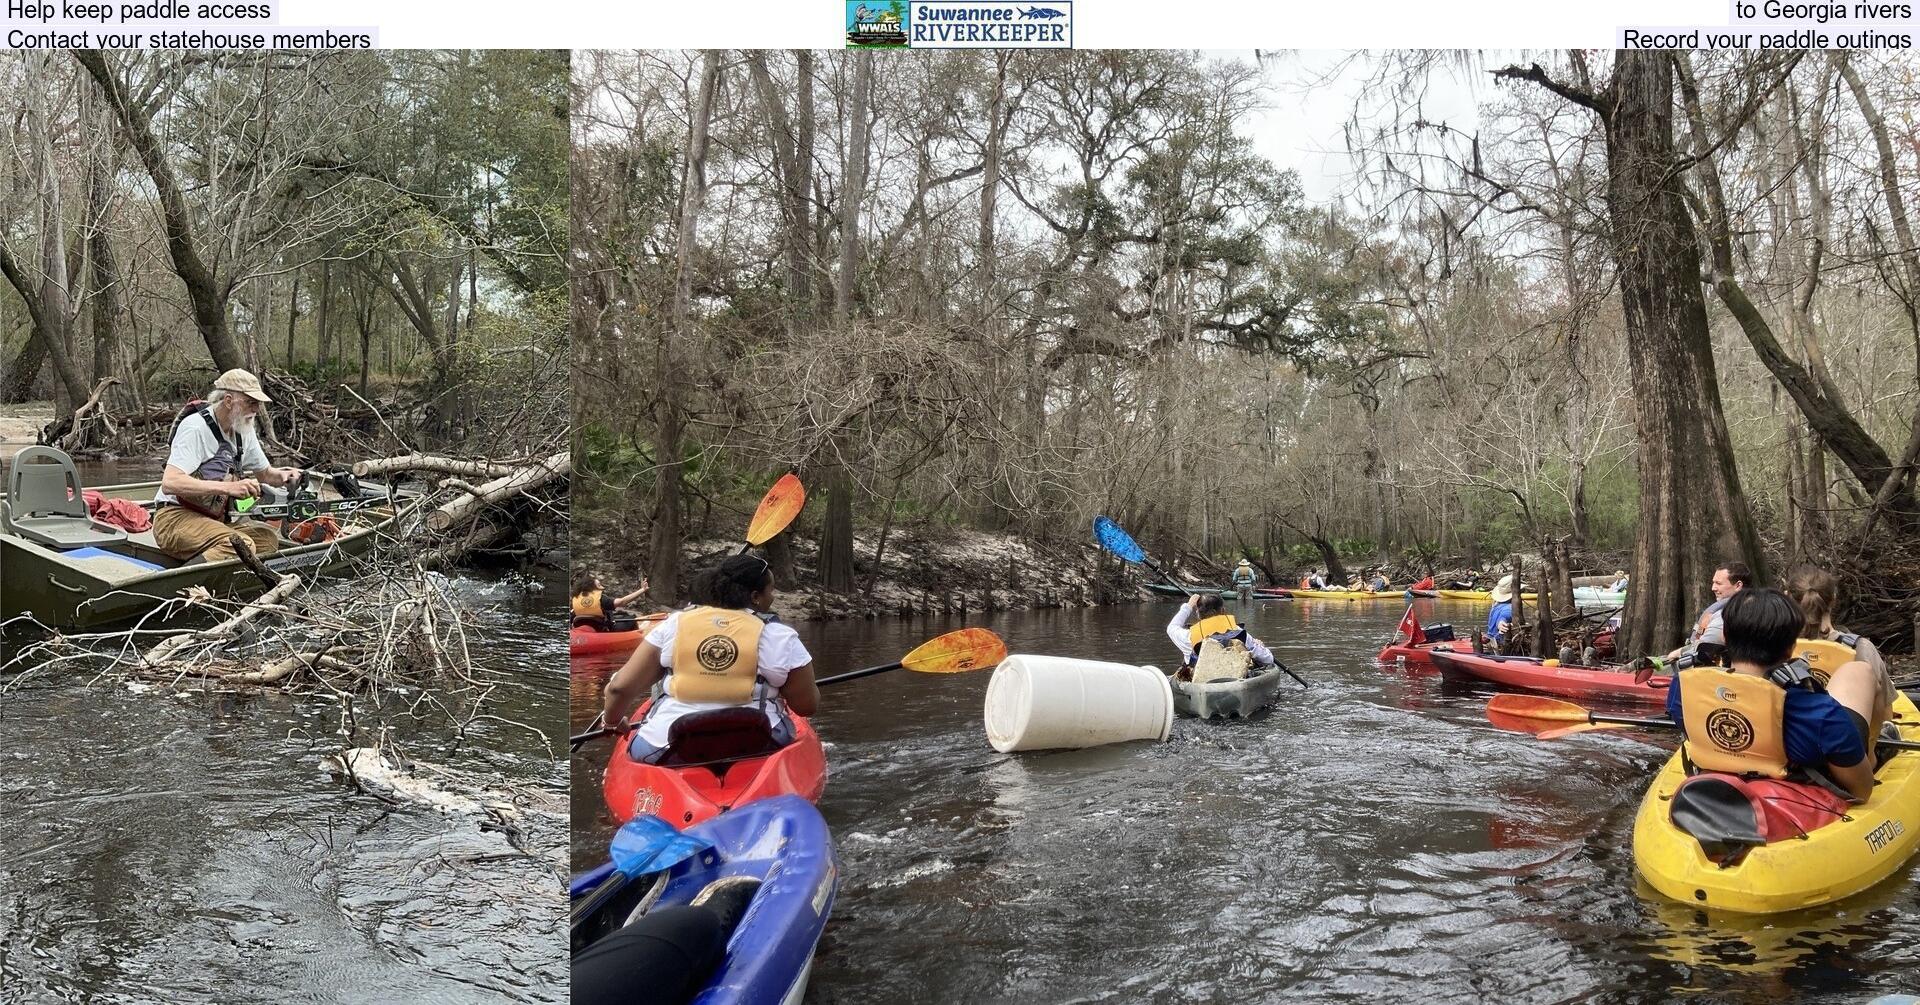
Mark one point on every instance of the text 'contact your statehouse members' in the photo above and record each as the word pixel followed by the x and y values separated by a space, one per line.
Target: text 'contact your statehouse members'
pixel 168 25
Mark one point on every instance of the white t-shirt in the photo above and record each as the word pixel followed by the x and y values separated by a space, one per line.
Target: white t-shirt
pixel 194 445
pixel 780 652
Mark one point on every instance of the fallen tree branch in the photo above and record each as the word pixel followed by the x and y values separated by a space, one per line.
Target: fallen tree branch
pixel 469 506
pixel 169 647
pixel 437 465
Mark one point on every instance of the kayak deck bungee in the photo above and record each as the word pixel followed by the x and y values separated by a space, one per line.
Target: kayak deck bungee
pixel 784 845
pixel 685 795
pixel 1857 850
pixel 1533 674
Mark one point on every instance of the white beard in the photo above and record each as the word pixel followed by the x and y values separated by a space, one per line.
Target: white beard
pixel 243 425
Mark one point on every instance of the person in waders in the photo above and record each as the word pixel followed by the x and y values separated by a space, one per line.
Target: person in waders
pixel 1243 580
pixel 215 459
pixel 1765 715
pixel 1212 643
pixel 728 652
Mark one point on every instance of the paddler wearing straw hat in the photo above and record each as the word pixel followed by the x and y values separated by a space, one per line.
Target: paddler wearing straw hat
pixel 1501 617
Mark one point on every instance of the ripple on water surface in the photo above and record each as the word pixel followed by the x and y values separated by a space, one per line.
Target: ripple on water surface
pixel 192 848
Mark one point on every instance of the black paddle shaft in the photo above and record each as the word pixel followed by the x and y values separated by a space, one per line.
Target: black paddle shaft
pixel 856 674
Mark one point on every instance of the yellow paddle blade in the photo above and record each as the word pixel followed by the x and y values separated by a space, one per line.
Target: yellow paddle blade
pixel 777 509
pixel 957 652
pixel 1582 727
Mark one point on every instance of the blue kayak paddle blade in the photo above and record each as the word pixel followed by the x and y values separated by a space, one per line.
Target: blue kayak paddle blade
pixel 1112 538
pixel 650 844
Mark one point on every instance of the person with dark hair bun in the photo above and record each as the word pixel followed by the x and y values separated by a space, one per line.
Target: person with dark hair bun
pixel 1707 644
pixel 1817 592
pixel 727 651
pixel 1766 716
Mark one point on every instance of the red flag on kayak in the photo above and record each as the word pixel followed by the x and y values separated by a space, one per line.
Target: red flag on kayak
pixel 1410 627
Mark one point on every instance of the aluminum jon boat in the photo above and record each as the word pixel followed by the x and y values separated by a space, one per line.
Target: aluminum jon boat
pixel 68 572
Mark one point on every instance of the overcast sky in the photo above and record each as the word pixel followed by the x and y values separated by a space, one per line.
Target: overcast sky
pixel 1302 127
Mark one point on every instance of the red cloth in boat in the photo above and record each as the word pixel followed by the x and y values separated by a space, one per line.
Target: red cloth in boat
pixel 122 513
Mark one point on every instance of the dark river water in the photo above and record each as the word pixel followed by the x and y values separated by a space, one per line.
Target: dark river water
pixel 190 847
pixel 1371 838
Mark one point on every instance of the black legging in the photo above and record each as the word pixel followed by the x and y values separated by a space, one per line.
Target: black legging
pixel 661 959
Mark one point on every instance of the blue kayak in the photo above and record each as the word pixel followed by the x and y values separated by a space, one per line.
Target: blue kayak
pixel 783 843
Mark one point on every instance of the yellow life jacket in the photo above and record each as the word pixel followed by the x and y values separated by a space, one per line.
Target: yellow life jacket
pixel 1211 626
pixel 1735 722
pixel 1823 657
pixel 588 605
pixel 716 656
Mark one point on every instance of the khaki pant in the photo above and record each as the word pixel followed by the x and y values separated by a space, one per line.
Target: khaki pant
pixel 182 533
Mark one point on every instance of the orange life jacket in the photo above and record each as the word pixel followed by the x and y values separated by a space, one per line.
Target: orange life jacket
pixel 716 656
pixel 1735 722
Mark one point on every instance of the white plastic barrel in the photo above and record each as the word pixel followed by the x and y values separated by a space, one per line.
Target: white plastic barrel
pixel 1052 702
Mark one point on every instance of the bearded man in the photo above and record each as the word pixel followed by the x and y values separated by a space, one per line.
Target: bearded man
pixel 216 459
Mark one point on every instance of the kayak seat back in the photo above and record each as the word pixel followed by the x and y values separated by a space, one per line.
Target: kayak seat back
pixel 719 736
pixel 46 503
pixel 1729 814
pixel 1438 633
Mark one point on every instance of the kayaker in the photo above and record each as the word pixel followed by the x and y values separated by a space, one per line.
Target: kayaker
pixel 1817 592
pixel 1243 579
pixel 1619 584
pixel 667 955
pixel 1317 581
pixel 1204 619
pixel 741 655
pixel 1500 618
pixel 1378 584
pixel 592 609
pixel 215 458
pixel 1767 716
pixel 1708 641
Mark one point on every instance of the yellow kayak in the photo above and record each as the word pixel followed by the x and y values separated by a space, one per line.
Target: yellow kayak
pixel 1348 595
pixel 1484 596
pixel 1833 861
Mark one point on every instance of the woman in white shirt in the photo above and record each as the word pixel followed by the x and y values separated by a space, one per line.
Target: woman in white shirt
pixel 729 652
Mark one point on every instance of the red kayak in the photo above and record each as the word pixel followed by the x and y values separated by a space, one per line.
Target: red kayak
pixel 583 641
pixel 1416 655
pixel 1533 674
pixel 716 780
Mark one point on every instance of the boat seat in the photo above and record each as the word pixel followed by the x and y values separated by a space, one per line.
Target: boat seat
pixel 46 503
pixel 719 736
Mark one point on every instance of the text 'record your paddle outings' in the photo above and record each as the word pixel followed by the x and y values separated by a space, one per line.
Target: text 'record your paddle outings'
pixel 1791 24
pixel 164 24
